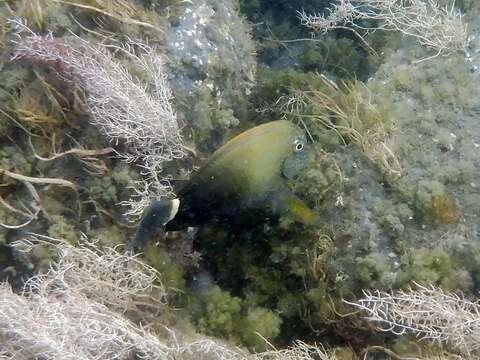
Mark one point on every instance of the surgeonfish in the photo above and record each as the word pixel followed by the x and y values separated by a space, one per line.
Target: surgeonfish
pixel 247 174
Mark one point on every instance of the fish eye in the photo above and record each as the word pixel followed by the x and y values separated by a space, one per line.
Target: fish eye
pixel 298 145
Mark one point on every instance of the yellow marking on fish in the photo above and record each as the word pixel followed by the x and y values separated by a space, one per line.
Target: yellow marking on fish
pixel 299 210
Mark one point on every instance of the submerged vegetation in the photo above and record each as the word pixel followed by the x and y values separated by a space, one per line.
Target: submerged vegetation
pixel 395 135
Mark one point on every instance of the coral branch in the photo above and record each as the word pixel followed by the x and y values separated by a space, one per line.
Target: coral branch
pixel 439 28
pixel 28 181
pixel 63 315
pixel 77 310
pixel 29 215
pixel 81 153
pixel 124 19
pixel 118 104
pixel 36 180
pixel 428 313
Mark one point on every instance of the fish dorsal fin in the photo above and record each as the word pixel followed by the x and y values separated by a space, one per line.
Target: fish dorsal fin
pixel 251 135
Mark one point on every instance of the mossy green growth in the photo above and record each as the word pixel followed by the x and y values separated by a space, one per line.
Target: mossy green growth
pixel 109 236
pixel 436 205
pixel 103 189
pixel 217 313
pixel 338 57
pixel 272 269
pixel 12 79
pixel 402 78
pixel 259 324
pixel 409 347
pixel 345 354
pixel 393 224
pixel 373 271
pixel 273 85
pixel 53 205
pixel 12 159
pixel 114 186
pixel 172 273
pixel 315 182
pixel 63 230
pixel 321 305
pixel 41 257
pixel 432 267
pixel 210 123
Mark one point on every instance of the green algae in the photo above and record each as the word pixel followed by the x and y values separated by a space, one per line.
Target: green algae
pixel 12 159
pixel 259 324
pixel 409 347
pixel 212 123
pixel 426 266
pixel 109 236
pixel 173 273
pixel 218 313
pixel 436 205
pixel 61 229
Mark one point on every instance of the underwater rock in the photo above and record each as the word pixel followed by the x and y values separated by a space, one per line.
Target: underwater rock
pixel 377 223
pixel 432 108
pixel 213 67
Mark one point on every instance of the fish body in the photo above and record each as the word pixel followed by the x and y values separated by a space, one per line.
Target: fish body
pixel 246 175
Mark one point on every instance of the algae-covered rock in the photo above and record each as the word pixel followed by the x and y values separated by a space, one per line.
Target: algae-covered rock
pixel 259 324
pixel 379 218
pixel 173 273
pixel 12 159
pixel 409 347
pixel 114 186
pixel 217 312
pixel 109 236
pixel 426 266
pixel 213 67
pixel 395 192
pixel 61 229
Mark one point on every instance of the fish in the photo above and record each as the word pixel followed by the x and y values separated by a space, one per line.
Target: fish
pixel 249 173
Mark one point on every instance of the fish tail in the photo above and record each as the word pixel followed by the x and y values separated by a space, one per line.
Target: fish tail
pixel 155 217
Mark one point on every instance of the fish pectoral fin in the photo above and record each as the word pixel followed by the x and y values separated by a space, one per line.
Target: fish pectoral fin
pixel 301 212
pixel 156 216
pixel 288 203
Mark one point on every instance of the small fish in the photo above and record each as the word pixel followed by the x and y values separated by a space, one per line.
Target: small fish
pixel 247 174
